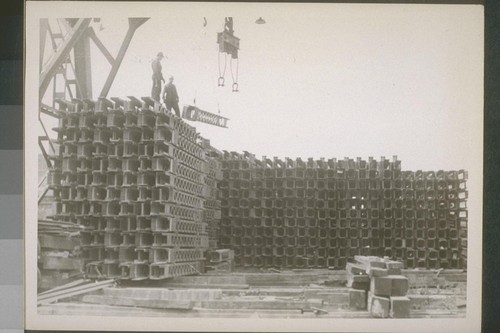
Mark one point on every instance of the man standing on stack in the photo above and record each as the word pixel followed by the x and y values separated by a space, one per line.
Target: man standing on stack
pixel 157 77
pixel 170 96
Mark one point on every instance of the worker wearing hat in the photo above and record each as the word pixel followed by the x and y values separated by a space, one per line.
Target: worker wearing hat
pixel 170 96
pixel 157 77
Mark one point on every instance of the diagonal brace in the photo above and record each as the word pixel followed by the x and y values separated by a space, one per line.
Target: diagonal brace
pixel 62 53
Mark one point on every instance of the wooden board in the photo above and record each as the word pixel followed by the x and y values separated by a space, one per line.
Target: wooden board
pixel 138 302
pixel 60 263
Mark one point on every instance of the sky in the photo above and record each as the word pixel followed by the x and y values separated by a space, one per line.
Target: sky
pixel 320 80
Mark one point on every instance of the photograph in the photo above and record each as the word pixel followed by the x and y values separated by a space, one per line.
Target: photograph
pixel 253 166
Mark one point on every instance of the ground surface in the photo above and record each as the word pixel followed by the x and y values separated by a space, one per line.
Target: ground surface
pixel 262 294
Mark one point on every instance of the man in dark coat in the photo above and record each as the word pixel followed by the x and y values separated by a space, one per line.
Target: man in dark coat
pixel 170 96
pixel 157 77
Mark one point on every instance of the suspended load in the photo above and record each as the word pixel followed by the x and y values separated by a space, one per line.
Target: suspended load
pixel 228 45
pixel 193 113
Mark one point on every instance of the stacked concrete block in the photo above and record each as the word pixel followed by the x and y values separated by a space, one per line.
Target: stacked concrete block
pixel 221 260
pixel 212 205
pixel 358 283
pixel 137 179
pixel 321 213
pixel 383 288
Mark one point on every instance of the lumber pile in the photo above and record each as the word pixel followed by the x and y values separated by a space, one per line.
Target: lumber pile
pixel 71 290
pixel 377 285
pixel 59 261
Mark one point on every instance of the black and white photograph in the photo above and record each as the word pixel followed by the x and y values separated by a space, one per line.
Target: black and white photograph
pixel 253 166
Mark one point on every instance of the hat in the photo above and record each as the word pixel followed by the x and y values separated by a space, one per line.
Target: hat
pixel 160 54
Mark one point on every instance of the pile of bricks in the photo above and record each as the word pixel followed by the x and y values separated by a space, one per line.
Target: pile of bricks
pixel 376 285
pixel 140 182
pixel 320 213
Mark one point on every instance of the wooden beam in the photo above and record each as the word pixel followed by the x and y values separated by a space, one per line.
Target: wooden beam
pixel 138 302
pixel 62 263
pixel 58 242
pixel 70 292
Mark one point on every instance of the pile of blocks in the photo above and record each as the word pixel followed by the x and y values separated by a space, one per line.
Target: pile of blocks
pixel 58 260
pixel 141 184
pixel 377 285
pixel 296 213
pixel 221 260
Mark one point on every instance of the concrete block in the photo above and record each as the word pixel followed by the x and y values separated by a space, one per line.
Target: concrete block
pixel 381 286
pixel 379 306
pixel 377 272
pixel 390 285
pixel 377 264
pixel 394 271
pixel 400 307
pixel 61 263
pixel 392 264
pixel 394 267
pixel 399 285
pixel 369 297
pixel 361 282
pixel 370 261
pixel 355 269
pixel 357 299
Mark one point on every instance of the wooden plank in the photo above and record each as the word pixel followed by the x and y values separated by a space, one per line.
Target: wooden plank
pixel 122 311
pixel 164 294
pixel 60 263
pixel 71 292
pixel 284 279
pixel 138 302
pixel 261 304
pixel 211 279
pixel 65 286
pixel 58 242
pixel 214 286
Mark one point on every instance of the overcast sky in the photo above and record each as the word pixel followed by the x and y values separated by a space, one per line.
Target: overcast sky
pixel 320 80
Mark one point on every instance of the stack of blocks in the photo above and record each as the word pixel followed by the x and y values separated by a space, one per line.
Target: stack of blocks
pixel 295 213
pixel 140 183
pixel 221 260
pixel 377 285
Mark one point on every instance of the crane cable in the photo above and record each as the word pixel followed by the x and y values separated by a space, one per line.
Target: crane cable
pixel 235 82
pixel 220 82
pixel 221 75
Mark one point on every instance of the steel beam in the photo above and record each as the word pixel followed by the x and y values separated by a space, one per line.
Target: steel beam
pixel 133 23
pixel 195 114
pixel 100 45
pixel 61 54
pixel 83 72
